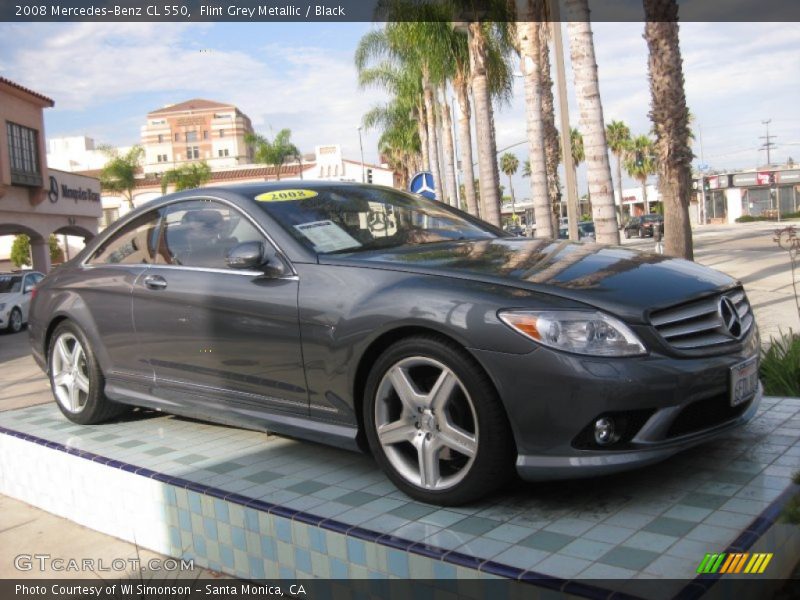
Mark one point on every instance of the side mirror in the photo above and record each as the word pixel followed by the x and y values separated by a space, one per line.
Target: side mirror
pixel 254 256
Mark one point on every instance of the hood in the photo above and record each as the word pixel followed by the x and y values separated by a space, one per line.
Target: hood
pixel 622 281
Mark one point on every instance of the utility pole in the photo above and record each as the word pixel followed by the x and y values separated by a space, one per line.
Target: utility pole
pixel 566 144
pixel 767 144
pixel 361 145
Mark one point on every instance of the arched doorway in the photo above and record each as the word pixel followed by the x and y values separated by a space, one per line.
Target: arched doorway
pixel 40 249
pixel 70 241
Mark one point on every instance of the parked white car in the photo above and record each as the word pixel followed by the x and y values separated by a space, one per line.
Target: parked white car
pixel 15 298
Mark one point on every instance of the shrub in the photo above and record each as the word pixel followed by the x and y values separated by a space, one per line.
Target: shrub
pixel 780 366
pixel 749 219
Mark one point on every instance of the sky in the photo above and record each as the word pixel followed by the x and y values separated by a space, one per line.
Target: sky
pixel 105 78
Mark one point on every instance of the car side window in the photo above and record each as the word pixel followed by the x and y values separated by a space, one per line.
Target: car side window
pixel 132 244
pixel 200 233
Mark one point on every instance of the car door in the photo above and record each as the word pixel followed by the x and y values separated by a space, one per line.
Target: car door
pixel 218 338
pixel 104 285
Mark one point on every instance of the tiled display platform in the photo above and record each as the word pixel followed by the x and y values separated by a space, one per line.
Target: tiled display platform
pixel 259 506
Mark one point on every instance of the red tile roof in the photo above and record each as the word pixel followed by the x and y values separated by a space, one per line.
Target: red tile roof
pixel 194 104
pixel 21 88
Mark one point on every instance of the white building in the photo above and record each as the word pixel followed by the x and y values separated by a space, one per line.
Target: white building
pixel 79 153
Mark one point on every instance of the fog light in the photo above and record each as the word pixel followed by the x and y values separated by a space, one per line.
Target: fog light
pixel 604 433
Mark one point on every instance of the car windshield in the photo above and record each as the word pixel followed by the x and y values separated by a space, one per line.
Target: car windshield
pixel 10 284
pixel 356 219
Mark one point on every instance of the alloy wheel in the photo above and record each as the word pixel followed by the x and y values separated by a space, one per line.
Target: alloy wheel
pixel 426 423
pixel 70 373
pixel 15 321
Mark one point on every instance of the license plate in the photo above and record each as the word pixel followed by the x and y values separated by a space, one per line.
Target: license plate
pixel 744 381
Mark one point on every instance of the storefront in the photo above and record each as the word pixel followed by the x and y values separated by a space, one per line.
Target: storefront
pixel 34 200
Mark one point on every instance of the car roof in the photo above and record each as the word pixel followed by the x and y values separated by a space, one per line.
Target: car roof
pixel 250 189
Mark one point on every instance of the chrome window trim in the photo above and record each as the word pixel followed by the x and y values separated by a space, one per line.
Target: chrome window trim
pixel 259 228
pixel 185 268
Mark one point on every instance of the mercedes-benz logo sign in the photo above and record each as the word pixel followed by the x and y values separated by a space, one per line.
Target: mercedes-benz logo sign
pixel 52 194
pixel 731 321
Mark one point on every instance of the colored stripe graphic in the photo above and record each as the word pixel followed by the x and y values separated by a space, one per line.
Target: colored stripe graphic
pixel 724 563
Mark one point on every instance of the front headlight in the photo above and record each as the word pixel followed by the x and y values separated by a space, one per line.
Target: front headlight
pixel 582 332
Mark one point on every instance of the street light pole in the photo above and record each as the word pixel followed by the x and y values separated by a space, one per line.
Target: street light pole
pixel 361 145
pixel 563 105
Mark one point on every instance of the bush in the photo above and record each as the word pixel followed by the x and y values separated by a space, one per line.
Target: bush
pixel 780 366
pixel 749 219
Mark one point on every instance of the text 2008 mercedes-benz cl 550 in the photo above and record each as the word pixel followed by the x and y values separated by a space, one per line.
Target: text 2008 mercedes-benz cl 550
pixel 367 318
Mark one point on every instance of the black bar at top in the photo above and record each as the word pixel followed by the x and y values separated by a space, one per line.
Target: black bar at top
pixel 266 11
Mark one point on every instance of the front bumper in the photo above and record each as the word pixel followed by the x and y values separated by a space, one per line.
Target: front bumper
pixel 551 398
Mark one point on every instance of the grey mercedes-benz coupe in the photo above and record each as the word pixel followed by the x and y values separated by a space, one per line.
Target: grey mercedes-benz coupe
pixel 367 318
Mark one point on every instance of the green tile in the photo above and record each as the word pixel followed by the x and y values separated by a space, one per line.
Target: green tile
pixel 224 467
pixel 670 526
pixel 106 437
pixel 306 487
pixel 357 498
pixel 736 477
pixel 263 477
pixel 475 525
pixel 158 451
pixel 547 540
pixel 703 500
pixel 129 444
pixel 191 459
pixel 412 511
pixel 629 558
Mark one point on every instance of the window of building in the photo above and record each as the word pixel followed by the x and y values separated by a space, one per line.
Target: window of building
pixel 221 133
pixel 223 152
pixel 132 245
pixel 177 137
pixel 191 136
pixel 205 135
pixel 109 216
pixel 23 155
pixel 160 138
pixel 192 152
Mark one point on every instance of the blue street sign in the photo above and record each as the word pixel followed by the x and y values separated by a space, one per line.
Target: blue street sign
pixel 422 184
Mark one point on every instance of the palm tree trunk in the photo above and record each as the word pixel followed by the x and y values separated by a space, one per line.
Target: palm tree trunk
pixel 671 123
pixel 587 90
pixel 619 185
pixel 528 39
pixel 449 151
pixel 484 118
pixel 465 135
pixel 422 129
pixel 551 143
pixel 644 196
pixel 433 149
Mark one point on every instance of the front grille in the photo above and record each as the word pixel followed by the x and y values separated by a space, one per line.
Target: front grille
pixel 704 414
pixel 698 325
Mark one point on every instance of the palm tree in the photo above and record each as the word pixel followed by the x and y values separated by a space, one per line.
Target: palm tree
pixel 670 118
pixel 273 152
pixel 460 80
pixel 509 164
pixel 640 163
pixel 118 175
pixel 618 136
pixel 576 147
pixel 587 90
pixel 448 149
pixel 186 177
pixel 528 33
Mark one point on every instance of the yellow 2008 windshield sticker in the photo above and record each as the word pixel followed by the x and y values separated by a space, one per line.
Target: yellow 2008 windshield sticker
pixel 285 195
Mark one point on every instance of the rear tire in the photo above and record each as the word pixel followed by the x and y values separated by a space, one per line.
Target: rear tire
pixel 15 321
pixel 76 379
pixel 435 424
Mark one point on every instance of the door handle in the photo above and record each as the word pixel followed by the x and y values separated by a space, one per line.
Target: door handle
pixel 155 282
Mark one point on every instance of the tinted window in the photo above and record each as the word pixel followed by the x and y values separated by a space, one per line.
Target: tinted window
pixel 354 219
pixel 10 284
pixel 199 233
pixel 133 244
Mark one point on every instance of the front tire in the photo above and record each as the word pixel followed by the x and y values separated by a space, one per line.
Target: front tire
pixel 76 379
pixel 15 321
pixel 627 234
pixel 434 422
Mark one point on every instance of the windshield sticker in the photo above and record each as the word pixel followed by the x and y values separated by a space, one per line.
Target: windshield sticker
pixel 327 236
pixel 286 195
